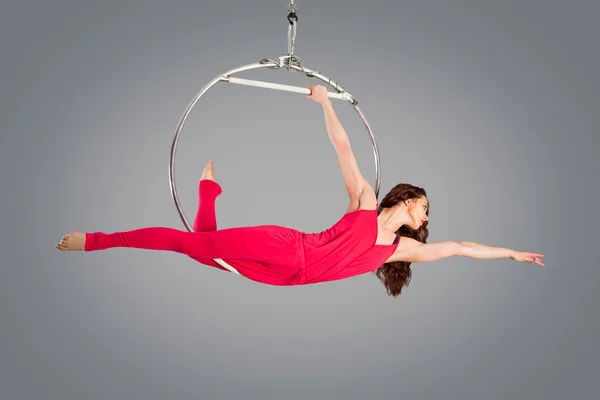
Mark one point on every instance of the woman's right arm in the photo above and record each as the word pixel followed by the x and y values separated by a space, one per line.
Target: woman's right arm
pixel 360 192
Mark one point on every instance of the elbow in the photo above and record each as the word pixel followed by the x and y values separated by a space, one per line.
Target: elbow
pixel 460 248
pixel 355 195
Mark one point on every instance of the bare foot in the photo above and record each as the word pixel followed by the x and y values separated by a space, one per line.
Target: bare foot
pixel 72 241
pixel 209 172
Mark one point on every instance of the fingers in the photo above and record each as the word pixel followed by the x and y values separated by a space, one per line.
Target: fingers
pixel 310 95
pixel 314 90
pixel 536 258
pixel 532 258
pixel 537 261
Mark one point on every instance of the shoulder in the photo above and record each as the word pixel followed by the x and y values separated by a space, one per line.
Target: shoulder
pixel 366 200
pixel 407 243
pixel 404 248
pixel 411 250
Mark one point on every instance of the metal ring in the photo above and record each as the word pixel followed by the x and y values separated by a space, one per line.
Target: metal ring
pixel 262 64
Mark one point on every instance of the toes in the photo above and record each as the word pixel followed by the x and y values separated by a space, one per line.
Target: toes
pixel 64 242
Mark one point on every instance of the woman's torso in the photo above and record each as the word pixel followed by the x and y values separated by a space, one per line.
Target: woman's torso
pixel 347 249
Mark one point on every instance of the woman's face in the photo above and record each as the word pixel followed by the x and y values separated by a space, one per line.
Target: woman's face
pixel 417 210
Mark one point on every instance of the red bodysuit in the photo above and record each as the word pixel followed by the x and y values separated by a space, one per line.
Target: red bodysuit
pixel 268 254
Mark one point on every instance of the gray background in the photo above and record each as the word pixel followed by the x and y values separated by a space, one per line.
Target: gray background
pixel 492 106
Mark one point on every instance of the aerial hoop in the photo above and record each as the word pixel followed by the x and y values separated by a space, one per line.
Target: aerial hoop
pixel 291 63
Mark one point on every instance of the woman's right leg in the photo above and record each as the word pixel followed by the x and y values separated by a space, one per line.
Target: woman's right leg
pixel 208 191
pixel 206 219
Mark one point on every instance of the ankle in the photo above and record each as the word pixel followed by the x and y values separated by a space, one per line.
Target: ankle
pixel 210 186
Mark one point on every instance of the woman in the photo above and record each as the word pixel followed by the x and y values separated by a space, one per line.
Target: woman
pixel 382 238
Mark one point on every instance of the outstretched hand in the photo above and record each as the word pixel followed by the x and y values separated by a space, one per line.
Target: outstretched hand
pixel 318 93
pixel 529 258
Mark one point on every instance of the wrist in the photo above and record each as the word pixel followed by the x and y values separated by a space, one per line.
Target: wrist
pixel 326 103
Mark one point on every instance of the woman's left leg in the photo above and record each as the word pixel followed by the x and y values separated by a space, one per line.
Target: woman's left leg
pixel 267 244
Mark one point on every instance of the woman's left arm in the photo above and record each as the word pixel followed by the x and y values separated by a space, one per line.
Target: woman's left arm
pixel 411 250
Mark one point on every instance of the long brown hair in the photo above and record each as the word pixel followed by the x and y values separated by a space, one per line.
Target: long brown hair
pixel 395 275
